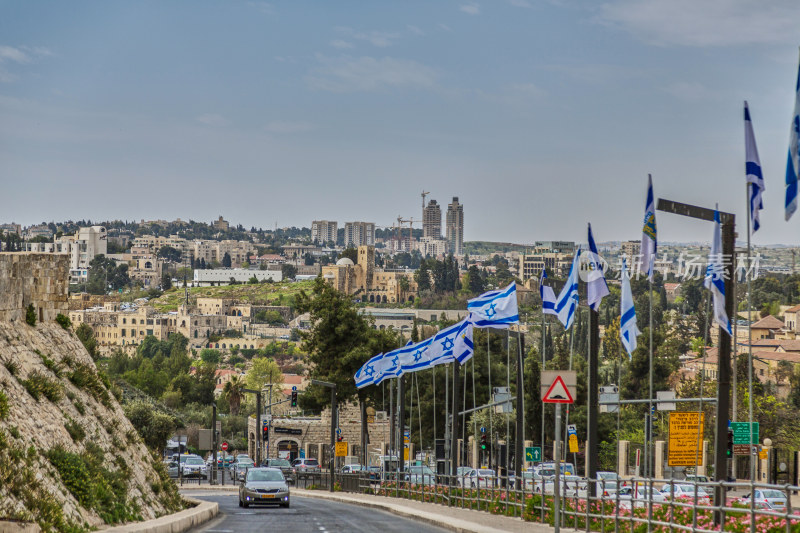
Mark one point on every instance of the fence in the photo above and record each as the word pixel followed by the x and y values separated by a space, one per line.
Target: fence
pixel 600 505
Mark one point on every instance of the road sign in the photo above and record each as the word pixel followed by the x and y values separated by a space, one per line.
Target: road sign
pixel 741 449
pixel 762 454
pixel 483 429
pixel 559 386
pixel 341 449
pixel 338 431
pixel 609 393
pixel 533 454
pixel 224 446
pixel 740 430
pixel 572 438
pixel 267 418
pixel 294 388
pixel 685 436
pixel 219 426
pixel 665 395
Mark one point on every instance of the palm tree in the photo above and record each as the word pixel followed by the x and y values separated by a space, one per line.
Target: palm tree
pixel 233 391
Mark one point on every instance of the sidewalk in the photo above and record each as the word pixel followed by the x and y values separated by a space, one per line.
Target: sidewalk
pixel 450 518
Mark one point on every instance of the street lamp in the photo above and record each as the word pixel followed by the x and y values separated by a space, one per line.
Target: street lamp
pixel 331 386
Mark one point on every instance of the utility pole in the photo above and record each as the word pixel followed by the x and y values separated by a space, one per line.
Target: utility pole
pixel 727 226
pixel 214 443
pixel 259 429
pixel 401 422
pixel 332 462
pixel 454 451
pixel 520 437
pixel 592 386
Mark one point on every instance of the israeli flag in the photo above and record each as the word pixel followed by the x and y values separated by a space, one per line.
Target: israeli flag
pixel 547 295
pixel 567 301
pixel 715 277
pixel 386 367
pixel 367 373
pixel 596 287
pixel 452 343
pixel 628 330
pixel 413 357
pixel 495 309
pixel 793 162
pixel 755 180
pixel 649 240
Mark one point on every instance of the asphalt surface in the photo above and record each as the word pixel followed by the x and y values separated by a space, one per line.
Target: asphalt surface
pixel 304 515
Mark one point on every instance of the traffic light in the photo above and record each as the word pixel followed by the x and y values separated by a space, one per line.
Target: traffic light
pixel 729 451
pixel 483 442
pixel 266 433
pixel 294 398
pixel 339 438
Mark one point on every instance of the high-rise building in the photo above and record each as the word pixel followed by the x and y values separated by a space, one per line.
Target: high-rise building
pixel 432 220
pixel 323 231
pixel 359 234
pixel 455 227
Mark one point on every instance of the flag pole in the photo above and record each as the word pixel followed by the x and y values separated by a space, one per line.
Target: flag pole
pixel 649 418
pixel 544 352
pixel 566 419
pixel 491 422
pixel 749 348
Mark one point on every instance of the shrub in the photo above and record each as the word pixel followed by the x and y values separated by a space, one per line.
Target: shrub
pixel 84 377
pixel 75 430
pixel 3 405
pixel 30 315
pixel 38 385
pixel 63 321
pixel 51 365
pixel 11 366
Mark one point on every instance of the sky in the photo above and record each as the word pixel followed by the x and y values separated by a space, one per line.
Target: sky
pixel 539 115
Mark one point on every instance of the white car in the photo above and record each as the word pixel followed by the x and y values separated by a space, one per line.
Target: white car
pixel 194 466
pixel 640 497
pixel 686 491
pixel 478 478
pixel 767 499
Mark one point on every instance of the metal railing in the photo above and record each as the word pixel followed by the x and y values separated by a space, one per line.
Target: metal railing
pixel 628 505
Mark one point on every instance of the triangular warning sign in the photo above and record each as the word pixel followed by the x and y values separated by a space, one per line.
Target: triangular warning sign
pixel 558 392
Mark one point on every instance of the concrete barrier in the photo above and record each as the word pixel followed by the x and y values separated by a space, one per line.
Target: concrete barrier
pixel 175 523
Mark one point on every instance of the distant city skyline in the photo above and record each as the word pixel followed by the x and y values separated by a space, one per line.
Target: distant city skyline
pixel 540 115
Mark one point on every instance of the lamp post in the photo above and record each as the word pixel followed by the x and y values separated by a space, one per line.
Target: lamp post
pixel 331 386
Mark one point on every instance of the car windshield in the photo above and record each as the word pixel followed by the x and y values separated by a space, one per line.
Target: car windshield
pixel 772 494
pixel 312 462
pixel 483 472
pixel 279 462
pixel 421 470
pixel 264 475
pixel 606 475
pixel 194 461
pixel 245 463
pixel 547 472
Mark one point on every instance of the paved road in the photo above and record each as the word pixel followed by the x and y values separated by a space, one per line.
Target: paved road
pixel 305 515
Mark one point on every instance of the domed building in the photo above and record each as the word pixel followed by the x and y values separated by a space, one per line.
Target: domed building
pixel 368 283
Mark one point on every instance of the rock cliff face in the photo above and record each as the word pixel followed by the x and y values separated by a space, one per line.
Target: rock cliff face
pixel 69 458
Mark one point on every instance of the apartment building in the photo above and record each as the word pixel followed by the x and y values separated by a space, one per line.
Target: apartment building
pixel 455 227
pixel 324 231
pixel 432 221
pixel 359 234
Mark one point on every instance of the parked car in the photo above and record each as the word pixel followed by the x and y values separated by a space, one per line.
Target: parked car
pixel 173 469
pixel 569 486
pixel 607 476
pixel 304 467
pixel 478 478
pixel 767 499
pixel 639 497
pixel 421 475
pixel 352 469
pixel 263 485
pixel 374 473
pixel 686 491
pixel 284 465
pixel 193 466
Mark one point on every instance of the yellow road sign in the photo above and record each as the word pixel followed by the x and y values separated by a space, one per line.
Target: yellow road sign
pixel 685 438
pixel 341 449
pixel 573 444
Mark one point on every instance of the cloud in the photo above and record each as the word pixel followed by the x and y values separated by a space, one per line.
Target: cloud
pixel 264 7
pixel 381 39
pixel 338 43
pixel 415 30
pixel 9 53
pixel 363 74
pixel 519 3
pixel 445 27
pixel 211 119
pixel 470 9
pixel 690 91
pixel 279 126
pixel 22 55
pixel 705 23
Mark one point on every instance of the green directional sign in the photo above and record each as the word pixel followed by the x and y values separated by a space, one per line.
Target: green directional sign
pixel 533 454
pixel 740 430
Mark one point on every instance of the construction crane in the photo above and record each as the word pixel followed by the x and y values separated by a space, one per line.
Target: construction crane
pixel 424 194
pixel 410 222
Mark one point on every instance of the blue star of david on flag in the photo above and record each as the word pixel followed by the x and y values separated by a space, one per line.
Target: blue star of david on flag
pixel 495 309
pixel 366 374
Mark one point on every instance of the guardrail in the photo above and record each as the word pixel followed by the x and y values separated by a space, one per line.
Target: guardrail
pixel 599 505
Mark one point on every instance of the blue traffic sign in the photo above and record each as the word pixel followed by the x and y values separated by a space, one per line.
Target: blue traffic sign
pixel 483 429
pixel 294 388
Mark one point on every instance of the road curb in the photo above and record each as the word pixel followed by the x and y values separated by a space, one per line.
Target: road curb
pixel 175 523
pixel 450 523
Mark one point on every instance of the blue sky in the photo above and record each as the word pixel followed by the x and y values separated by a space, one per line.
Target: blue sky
pixel 539 115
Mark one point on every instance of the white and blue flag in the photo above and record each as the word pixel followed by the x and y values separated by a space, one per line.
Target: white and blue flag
pixel 495 309
pixel 649 240
pixel 628 331
pixel 413 357
pixel 452 343
pixel 386 367
pixel 755 180
pixel 793 162
pixel 567 301
pixel 547 295
pixel 715 277
pixel 596 287
pixel 367 373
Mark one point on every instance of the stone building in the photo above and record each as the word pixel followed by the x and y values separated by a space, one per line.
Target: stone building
pixel 40 280
pixel 371 284
pixel 312 435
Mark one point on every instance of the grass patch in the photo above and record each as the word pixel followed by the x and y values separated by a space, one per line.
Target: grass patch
pixel 75 430
pixel 85 378
pixel 39 385
pixel 3 405
pixel 63 321
pixel 51 365
pixel 12 367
